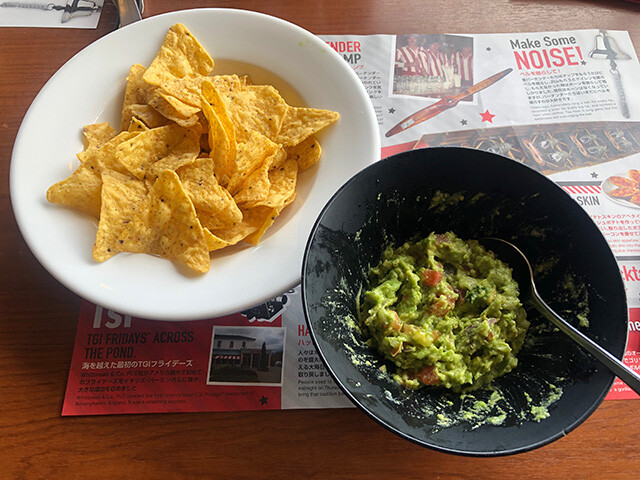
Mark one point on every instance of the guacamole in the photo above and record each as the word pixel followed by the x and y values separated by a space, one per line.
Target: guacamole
pixel 445 312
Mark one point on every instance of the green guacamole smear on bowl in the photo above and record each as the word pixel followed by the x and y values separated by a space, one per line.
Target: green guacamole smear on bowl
pixel 445 312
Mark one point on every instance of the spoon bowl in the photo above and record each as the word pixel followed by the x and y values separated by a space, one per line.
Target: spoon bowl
pixel 523 274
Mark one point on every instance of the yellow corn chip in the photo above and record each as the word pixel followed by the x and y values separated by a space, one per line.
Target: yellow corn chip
pixel 282 187
pixel 103 157
pixel 254 223
pixel 222 135
pixel 229 84
pixel 277 159
pixel 300 123
pixel 98 134
pixel 136 125
pixel 255 188
pixel 137 92
pixel 234 234
pixel 289 200
pixel 186 90
pixel 146 114
pixel 121 197
pixel 166 225
pixel 175 110
pixel 180 55
pixel 260 217
pixel 219 145
pixel 180 65
pixel 213 242
pixel 183 153
pixel 249 157
pixel 212 96
pixel 306 153
pixel 170 144
pixel 218 222
pixel 214 205
pixel 258 108
pixel 81 190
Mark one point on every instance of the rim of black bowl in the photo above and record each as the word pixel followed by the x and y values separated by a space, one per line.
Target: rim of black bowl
pixel 468 453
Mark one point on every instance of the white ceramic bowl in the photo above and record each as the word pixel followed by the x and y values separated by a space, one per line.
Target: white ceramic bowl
pixel 90 87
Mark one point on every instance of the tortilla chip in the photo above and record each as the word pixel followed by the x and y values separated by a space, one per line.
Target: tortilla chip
pixel 212 96
pixel 213 203
pixel 306 153
pixel 230 84
pixel 217 222
pixel 136 125
pixel 121 197
pixel 213 242
pixel 103 157
pixel 81 190
pixel 180 65
pixel 170 144
pixel 254 223
pixel 166 224
pixel 255 188
pixel 175 110
pixel 282 187
pixel 146 114
pixel 137 92
pixel 289 200
pixel 277 159
pixel 219 145
pixel 300 123
pixel 258 108
pixel 262 218
pixel 234 234
pixel 97 134
pixel 186 90
pixel 183 153
pixel 249 157
pixel 180 55
pixel 222 135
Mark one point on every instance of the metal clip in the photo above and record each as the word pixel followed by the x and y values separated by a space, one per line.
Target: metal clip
pixel 129 11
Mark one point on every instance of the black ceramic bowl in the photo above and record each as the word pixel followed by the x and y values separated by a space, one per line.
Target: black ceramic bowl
pixel 391 201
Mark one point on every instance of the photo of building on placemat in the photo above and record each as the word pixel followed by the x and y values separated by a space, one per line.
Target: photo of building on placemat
pixel 246 355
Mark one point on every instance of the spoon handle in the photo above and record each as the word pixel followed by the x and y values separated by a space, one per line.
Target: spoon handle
pixel 623 372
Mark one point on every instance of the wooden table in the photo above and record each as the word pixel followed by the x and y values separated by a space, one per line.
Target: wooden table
pixel 38 316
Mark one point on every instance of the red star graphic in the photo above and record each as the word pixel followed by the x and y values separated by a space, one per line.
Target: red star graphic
pixel 487 117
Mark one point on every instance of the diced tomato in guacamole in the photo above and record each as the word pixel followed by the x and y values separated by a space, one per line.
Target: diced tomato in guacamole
pixel 431 277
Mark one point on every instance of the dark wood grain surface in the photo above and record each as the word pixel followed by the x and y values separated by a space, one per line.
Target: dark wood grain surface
pixel 38 316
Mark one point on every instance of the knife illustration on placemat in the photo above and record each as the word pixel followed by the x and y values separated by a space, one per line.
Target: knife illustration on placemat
pixel 73 8
pixel 445 104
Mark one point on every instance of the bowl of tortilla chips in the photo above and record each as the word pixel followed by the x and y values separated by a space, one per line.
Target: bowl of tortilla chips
pixel 173 169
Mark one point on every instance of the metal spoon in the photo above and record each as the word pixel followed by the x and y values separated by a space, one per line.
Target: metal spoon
pixel 523 274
